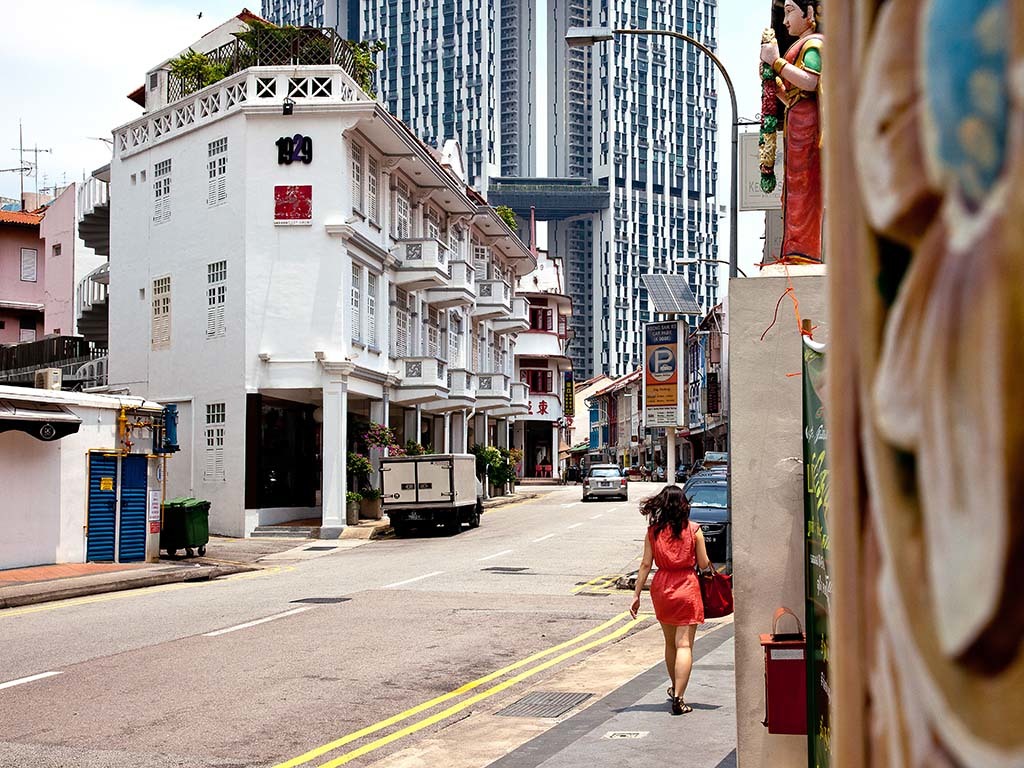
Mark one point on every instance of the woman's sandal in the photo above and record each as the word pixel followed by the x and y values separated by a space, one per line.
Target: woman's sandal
pixel 671 692
pixel 680 707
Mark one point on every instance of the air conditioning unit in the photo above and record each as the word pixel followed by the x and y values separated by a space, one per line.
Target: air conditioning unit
pixel 48 378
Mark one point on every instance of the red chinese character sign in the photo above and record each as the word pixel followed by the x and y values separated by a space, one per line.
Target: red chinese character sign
pixel 794 79
pixel 293 204
pixel 542 407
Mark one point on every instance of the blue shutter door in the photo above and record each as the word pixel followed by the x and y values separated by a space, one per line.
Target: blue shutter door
pixel 102 505
pixel 132 544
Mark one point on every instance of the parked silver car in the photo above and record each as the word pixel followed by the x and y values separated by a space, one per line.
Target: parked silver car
pixel 605 480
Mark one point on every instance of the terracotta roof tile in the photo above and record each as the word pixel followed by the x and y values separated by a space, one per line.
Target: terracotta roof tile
pixel 20 217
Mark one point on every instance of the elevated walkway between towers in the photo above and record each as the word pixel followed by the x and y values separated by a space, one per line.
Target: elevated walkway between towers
pixel 554 198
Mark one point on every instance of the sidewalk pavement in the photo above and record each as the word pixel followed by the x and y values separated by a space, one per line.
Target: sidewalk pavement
pixel 626 722
pixel 224 556
pixel 632 726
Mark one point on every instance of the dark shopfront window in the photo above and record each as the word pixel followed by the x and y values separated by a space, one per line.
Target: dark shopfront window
pixel 282 454
pixel 539 382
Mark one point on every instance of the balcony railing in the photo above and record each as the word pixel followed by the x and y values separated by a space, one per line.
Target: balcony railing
pixel 493 298
pixel 518 321
pixel 422 263
pixel 424 372
pixel 460 383
pixel 492 386
pixel 459 289
pixel 283 47
pixel 93 289
pixel 520 394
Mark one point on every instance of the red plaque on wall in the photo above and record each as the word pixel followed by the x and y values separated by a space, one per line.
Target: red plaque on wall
pixel 293 204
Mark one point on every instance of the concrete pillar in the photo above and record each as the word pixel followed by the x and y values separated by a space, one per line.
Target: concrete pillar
pixel 503 433
pixel 378 414
pixel 419 423
pixel 335 440
pixel 411 425
pixel 465 430
pixel 555 471
pixel 670 458
pixel 447 429
pixel 483 436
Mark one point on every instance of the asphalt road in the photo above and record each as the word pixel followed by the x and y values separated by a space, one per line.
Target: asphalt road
pixel 259 669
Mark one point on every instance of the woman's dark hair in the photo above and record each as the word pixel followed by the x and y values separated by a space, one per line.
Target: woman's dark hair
pixel 669 508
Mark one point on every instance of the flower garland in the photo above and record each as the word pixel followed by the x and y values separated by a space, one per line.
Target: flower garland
pixel 767 141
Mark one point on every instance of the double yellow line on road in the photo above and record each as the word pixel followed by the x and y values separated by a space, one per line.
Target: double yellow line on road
pixel 600 585
pixel 617 627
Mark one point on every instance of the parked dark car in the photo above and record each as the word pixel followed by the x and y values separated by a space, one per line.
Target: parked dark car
pixel 708 494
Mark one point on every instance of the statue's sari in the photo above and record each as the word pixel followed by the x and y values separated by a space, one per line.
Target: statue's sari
pixel 802 201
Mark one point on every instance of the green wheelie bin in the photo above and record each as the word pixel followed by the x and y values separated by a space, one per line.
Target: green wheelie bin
pixel 186 526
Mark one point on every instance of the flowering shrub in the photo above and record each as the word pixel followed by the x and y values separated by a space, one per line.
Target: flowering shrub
pixel 379 436
pixel 359 465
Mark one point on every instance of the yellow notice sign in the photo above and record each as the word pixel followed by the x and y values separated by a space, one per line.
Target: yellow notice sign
pixel 106 483
pixel 661 394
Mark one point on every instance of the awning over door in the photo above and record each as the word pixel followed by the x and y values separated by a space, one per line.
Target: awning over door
pixel 44 421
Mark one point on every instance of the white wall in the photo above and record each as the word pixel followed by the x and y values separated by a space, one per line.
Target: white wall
pixel 29 501
pixel 767 490
pixel 44 488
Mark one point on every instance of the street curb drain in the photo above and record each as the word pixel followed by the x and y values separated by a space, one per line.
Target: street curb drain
pixel 322 600
pixel 626 734
pixel 504 569
pixel 544 704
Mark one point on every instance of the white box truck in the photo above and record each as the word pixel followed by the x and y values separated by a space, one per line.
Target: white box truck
pixel 430 490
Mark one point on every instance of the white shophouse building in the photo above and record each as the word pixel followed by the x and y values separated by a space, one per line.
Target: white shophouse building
pixel 287 278
pixel 543 366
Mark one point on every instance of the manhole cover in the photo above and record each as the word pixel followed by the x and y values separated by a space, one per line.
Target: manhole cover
pixel 544 704
pixel 504 569
pixel 626 734
pixel 323 600
pixel 318 549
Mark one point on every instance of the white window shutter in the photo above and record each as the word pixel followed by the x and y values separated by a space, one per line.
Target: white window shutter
pixel 211 312
pixel 356 313
pixel 371 309
pixel 29 265
pixel 372 180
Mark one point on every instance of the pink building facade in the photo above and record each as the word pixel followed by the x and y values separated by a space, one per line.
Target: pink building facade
pixel 22 277
pixel 58 232
pixel 37 271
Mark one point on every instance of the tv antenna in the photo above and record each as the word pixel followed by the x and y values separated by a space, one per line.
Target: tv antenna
pixel 21 161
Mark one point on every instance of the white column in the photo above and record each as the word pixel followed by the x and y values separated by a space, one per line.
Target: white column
pixel 670 459
pixel 447 432
pixel 378 414
pixel 555 472
pixel 334 464
pixel 419 423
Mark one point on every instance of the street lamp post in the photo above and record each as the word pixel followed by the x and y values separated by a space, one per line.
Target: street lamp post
pixel 585 36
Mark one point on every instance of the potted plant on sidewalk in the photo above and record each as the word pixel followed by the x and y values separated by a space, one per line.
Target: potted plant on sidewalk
pixel 352 499
pixel 370 506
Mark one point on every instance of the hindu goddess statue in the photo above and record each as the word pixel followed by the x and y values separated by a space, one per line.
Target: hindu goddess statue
pixel 799 85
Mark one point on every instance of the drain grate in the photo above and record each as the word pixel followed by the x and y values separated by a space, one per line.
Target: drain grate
pixel 504 569
pixel 319 549
pixel 544 704
pixel 626 734
pixel 323 600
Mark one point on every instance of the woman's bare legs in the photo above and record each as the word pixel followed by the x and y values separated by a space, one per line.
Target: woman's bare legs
pixel 670 651
pixel 683 653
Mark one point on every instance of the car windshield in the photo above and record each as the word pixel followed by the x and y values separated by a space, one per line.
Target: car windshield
pixel 708 496
pixel 605 472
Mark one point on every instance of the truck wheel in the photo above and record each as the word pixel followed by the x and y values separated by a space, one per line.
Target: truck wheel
pixel 474 518
pixel 401 530
pixel 453 525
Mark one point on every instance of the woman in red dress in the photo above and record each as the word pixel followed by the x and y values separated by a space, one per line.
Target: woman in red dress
pixel 677 546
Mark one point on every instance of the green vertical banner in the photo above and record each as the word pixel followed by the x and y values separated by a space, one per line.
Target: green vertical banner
pixel 816 546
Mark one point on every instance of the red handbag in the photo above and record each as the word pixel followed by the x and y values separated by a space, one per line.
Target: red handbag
pixel 716 593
